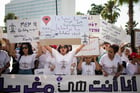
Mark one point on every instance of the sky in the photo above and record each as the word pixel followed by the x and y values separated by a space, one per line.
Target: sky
pixel 83 6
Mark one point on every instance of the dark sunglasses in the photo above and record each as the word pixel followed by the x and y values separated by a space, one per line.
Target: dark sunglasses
pixel 24 47
pixel 63 47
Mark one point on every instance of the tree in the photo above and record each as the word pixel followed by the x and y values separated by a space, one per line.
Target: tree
pixel 111 11
pixel 95 9
pixel 130 24
pixel 127 27
pixel 9 16
pixel 79 13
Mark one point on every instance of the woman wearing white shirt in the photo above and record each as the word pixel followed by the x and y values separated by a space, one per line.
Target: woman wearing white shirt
pixel 63 58
pixel 111 62
pixel 26 59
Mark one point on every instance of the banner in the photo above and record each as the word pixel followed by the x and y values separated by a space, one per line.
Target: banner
pixel 137 38
pixel 23 30
pixel 92 48
pixel 69 84
pixel 63 28
pixel 111 33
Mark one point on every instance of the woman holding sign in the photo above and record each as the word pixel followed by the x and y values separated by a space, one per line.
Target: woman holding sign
pixel 63 58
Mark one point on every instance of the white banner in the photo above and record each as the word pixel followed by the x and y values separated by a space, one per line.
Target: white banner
pixel 111 33
pixel 69 84
pixel 23 30
pixel 92 48
pixel 63 27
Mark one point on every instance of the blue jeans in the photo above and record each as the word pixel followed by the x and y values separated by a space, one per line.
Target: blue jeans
pixel 28 71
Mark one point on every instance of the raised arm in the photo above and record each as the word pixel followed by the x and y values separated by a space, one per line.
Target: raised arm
pixel 79 48
pixel 49 49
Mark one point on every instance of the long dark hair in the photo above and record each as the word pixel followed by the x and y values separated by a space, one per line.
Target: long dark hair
pixel 115 48
pixel 30 51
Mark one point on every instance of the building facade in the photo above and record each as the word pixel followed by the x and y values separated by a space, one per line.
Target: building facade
pixel 36 8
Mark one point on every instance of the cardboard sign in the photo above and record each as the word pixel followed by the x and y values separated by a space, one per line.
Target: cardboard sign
pixel 23 30
pixel 111 33
pixel 90 49
pixel 64 28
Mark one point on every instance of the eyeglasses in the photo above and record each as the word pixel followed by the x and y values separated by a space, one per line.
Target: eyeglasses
pixel 24 47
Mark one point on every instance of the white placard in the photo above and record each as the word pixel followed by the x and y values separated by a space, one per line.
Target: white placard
pixel 23 30
pixel 90 49
pixel 63 27
pixel 137 38
pixel 111 33
pixel 94 25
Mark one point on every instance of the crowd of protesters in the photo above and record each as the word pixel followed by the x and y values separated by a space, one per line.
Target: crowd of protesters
pixel 61 59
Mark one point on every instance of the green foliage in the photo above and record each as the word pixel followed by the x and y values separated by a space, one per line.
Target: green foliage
pixel 8 17
pixel 127 27
pixel 95 9
pixel 110 11
pixel 79 13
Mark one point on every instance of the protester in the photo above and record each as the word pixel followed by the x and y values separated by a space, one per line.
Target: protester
pixel 111 63
pixel 46 62
pixel 26 59
pixel 63 58
pixel 125 58
pixel 132 66
pixel 4 61
pixel 87 66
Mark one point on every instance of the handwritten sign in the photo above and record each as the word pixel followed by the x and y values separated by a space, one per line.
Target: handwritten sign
pixel 23 30
pixel 64 27
pixel 94 25
pixel 111 33
pixel 69 84
pixel 137 38
pixel 90 49
pixel 1 33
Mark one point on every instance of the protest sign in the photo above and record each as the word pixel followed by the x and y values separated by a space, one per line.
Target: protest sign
pixel 63 28
pixel 23 30
pixel 94 25
pixel 92 48
pixel 69 84
pixel 137 38
pixel 111 33
pixel 1 33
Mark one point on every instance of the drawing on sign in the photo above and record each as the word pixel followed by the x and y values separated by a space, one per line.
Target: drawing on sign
pixel 46 19
pixel 85 39
pixel 12 28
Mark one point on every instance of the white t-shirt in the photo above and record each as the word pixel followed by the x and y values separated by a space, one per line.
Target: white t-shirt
pixel 4 59
pixel 44 59
pixel 63 62
pixel 88 69
pixel 131 69
pixel 27 62
pixel 110 66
